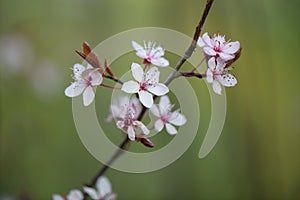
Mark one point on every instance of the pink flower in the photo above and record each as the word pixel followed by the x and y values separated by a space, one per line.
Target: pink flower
pixel 103 192
pixel 151 54
pixel 217 75
pixel 144 84
pixel 166 117
pixel 85 80
pixel 73 195
pixel 217 46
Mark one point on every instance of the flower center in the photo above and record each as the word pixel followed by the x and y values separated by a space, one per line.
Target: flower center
pixel 147 61
pixel 143 86
pixel 88 81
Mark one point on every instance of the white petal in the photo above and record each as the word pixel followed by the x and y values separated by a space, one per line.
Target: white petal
pixel 75 195
pixel 155 111
pixel 200 42
pixel 158 89
pixel 164 102
pixel 209 76
pixel 171 129
pixel 78 69
pixel 137 72
pixel 130 132
pixel 226 56
pixel 227 80
pixel 231 47
pixel 157 52
pixel 161 62
pixel 57 197
pixel 207 40
pixel 217 87
pixel 103 185
pixel 130 87
pixel 120 124
pixel 158 125
pixel 88 96
pixel 74 89
pixel 144 129
pixel 211 63
pixel 220 64
pixel 96 78
pixel 209 51
pixel 111 196
pixel 146 98
pixel 140 50
pixel 152 76
pixel 91 192
pixel 177 119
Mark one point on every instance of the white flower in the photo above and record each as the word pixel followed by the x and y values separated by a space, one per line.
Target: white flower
pixel 73 195
pixel 217 75
pixel 103 192
pixel 85 80
pixel 166 117
pixel 145 84
pixel 119 108
pixel 218 47
pixel 151 54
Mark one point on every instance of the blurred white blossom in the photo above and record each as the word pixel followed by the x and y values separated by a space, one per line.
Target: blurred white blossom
pixel 103 190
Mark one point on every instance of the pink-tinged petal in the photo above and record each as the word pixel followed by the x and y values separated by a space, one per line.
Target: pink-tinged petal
pixel 231 47
pixel 120 124
pixel 57 197
pixel 200 42
pixel 217 87
pixel 155 111
pixel 140 51
pixel 177 119
pixel 171 129
pixel 103 186
pixel 152 76
pixel 161 62
pixel 158 125
pixel 146 98
pixel 207 40
pixel 88 96
pixel 137 72
pixel 130 87
pixel 158 89
pixel 164 104
pixel 209 76
pixel 211 63
pixel 96 78
pixel 75 195
pixel 227 80
pixel 144 129
pixel 74 90
pixel 226 56
pixel 209 51
pixel 91 192
pixel 130 132
pixel 78 69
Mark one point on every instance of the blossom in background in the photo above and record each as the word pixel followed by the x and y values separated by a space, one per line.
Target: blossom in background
pixel 73 195
pixel 151 54
pixel 103 190
pixel 217 75
pixel 146 83
pixel 119 108
pixel 166 117
pixel 217 46
pixel 128 122
pixel 85 80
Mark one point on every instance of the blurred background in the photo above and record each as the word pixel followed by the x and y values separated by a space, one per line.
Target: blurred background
pixel 257 156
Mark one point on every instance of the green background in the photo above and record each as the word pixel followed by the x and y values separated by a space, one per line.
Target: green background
pixel 257 156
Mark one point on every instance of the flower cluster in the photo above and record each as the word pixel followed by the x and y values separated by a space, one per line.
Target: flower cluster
pixel 103 191
pixel 219 54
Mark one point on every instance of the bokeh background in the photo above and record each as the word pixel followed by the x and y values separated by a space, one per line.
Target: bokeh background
pixel 257 156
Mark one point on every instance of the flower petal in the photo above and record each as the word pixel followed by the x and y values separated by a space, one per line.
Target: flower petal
pixel 137 72
pixel 91 192
pixel 130 132
pixel 159 89
pixel 111 196
pixel 146 98
pixel 171 129
pixel 231 47
pixel 177 119
pixel 103 186
pixel 152 76
pixel 120 124
pixel 140 51
pixel 227 80
pixel 144 129
pixel 209 51
pixel 130 87
pixel 206 39
pixel 75 195
pixel 217 87
pixel 88 96
pixel 155 111
pixel 158 125
pixel 96 78
pixel 209 76
pixel 77 70
pixel 164 103
pixel 161 62
pixel 200 42
pixel 57 197
pixel 74 89
pixel 226 56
